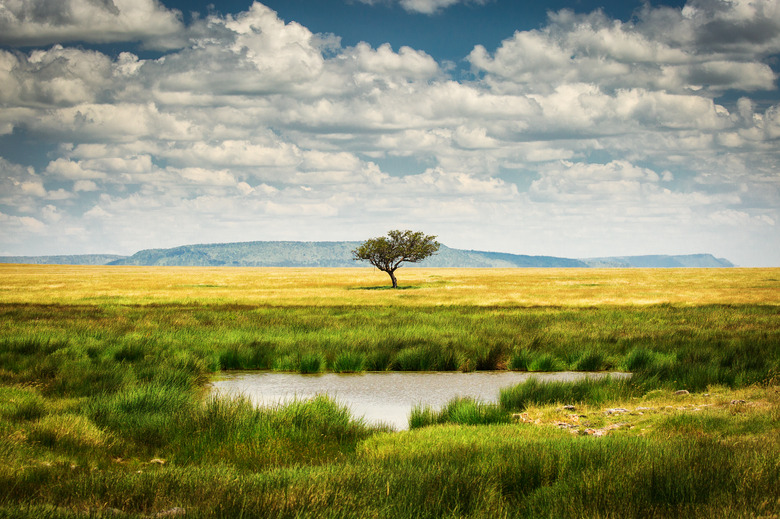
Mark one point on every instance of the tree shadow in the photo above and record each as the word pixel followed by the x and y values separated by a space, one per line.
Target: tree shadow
pixel 407 287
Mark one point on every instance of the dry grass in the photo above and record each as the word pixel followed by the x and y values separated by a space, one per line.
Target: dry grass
pixel 99 285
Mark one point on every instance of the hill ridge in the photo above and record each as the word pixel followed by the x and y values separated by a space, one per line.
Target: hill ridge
pixel 291 253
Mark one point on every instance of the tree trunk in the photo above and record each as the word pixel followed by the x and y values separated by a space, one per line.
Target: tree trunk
pixel 392 276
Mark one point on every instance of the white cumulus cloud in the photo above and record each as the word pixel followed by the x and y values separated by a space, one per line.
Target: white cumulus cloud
pixel 42 22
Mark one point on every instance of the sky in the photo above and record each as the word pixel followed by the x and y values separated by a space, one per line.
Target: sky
pixel 562 128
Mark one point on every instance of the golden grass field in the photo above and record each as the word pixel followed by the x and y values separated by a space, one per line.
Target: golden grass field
pixel 98 285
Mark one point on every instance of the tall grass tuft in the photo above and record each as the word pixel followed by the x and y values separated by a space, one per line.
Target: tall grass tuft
pixel 639 359
pixel 311 363
pixel 488 357
pixel 322 416
pixel 591 361
pixel 130 352
pixel 21 404
pixel 588 390
pixel 349 362
pixel 148 413
pixel 519 361
pixel 464 411
pixel 67 431
pixel 545 362
pixel 380 359
pixel 426 357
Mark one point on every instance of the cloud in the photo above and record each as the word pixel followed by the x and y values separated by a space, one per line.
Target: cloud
pixel 425 6
pixel 55 77
pixel 43 22
pixel 16 227
pixel 260 129
pixel 662 50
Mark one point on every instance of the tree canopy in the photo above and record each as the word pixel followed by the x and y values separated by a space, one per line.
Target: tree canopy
pixel 387 253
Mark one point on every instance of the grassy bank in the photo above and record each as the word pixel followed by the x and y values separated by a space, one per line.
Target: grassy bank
pixel 103 409
pixel 690 347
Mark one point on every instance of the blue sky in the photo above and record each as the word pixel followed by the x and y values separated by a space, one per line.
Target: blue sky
pixel 575 129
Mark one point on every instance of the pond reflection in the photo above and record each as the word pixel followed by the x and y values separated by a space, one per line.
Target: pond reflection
pixel 382 397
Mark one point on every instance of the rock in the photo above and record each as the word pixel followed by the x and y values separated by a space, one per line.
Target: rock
pixel 737 402
pixel 569 407
pixel 616 410
pixel 682 392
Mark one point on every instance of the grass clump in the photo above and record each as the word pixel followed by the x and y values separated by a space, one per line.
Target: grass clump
pixel 68 431
pixel 21 404
pixel 592 361
pixel 587 390
pixel 349 362
pixel 463 411
pixel 426 357
pixel 545 362
pixel 311 363
pixel 519 361
pixel 148 414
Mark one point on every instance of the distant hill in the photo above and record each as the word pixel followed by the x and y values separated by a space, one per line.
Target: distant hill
pixel 250 254
pixel 690 260
pixel 79 259
pixel 322 254
pixel 338 254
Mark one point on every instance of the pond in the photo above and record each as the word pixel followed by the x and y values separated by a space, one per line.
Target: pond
pixel 382 397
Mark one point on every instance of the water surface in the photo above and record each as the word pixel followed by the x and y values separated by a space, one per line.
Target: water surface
pixel 381 397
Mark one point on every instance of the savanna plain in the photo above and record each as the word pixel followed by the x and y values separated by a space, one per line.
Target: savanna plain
pixel 105 408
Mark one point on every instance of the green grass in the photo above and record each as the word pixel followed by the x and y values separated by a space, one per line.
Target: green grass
pixel 464 411
pixel 105 411
pixel 588 390
pixel 349 362
pixel 732 345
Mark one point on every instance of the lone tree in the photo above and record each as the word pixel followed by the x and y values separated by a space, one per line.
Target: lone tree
pixel 387 253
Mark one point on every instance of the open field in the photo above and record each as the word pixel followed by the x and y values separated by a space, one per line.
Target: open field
pixel 44 284
pixel 102 408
